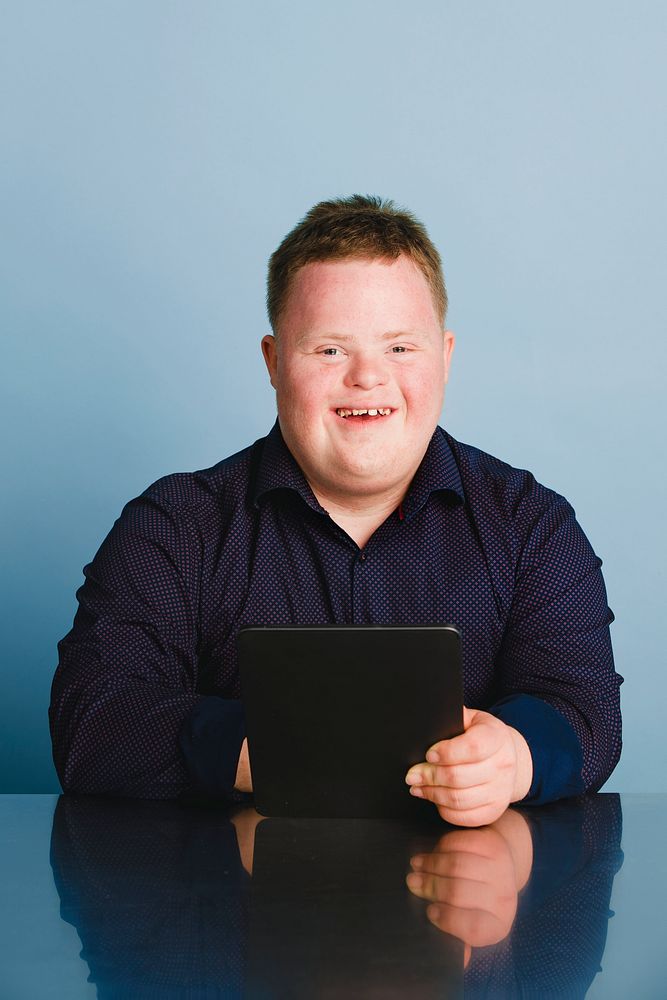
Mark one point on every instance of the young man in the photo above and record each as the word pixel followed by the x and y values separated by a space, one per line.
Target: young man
pixel 356 508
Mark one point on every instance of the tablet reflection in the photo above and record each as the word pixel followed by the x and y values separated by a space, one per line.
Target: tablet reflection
pixel 330 914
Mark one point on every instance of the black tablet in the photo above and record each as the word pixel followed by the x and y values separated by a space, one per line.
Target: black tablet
pixel 336 715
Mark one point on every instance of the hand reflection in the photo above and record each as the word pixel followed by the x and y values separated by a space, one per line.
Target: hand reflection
pixel 472 879
pixel 245 823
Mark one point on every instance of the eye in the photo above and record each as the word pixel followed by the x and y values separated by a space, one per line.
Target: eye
pixel 398 349
pixel 331 352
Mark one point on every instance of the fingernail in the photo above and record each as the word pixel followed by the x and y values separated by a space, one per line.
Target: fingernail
pixel 432 757
pixel 416 790
pixel 413 778
pixel 433 912
pixel 414 881
pixel 417 861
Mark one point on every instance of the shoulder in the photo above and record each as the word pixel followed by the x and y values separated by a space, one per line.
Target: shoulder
pixel 181 490
pixel 521 523
pixel 490 482
pixel 515 516
pixel 200 500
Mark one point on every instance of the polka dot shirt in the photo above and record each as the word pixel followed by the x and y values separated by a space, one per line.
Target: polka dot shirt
pixel 145 699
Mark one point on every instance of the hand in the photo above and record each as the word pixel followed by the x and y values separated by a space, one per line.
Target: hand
pixel 243 781
pixel 473 777
pixel 472 879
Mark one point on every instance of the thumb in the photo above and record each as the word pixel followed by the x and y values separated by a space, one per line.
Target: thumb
pixel 469 716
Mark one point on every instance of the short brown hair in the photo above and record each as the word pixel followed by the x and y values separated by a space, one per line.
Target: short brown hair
pixel 362 226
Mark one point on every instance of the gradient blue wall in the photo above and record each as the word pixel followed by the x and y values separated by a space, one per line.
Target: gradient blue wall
pixel 155 153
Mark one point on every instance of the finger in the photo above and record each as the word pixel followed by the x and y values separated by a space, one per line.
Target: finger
pixel 459 799
pixel 480 816
pixel 478 743
pixel 451 775
pixel 476 817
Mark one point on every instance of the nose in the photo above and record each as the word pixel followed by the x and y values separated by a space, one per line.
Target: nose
pixel 365 371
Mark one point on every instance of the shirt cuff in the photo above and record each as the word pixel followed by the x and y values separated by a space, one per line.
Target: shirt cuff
pixel 553 744
pixel 210 739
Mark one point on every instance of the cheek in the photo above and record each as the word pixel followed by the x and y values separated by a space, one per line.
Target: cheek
pixel 301 391
pixel 424 392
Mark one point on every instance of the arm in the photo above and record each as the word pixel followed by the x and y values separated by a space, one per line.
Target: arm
pixel 555 728
pixel 125 715
pixel 556 667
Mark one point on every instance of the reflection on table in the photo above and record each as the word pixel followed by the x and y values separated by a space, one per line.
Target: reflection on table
pixel 172 899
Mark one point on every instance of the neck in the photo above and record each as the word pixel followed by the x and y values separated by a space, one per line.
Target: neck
pixel 360 516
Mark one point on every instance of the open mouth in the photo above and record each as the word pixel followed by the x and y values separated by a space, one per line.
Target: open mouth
pixel 381 411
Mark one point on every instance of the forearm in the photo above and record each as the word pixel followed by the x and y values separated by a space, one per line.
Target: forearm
pixel 553 746
pixel 140 741
pixel 212 742
pixel 595 717
pixel 561 660
pixel 557 651
pixel 118 740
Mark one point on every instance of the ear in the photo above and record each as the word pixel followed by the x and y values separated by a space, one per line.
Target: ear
pixel 270 352
pixel 448 348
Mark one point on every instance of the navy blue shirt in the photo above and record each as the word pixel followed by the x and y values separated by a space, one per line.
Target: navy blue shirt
pixel 145 700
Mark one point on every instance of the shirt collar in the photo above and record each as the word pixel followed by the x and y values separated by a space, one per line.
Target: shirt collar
pixel 278 470
pixel 438 472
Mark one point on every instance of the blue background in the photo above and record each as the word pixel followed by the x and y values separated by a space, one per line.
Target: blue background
pixel 153 154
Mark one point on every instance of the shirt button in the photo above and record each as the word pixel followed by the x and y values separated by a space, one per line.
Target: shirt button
pixel 363 557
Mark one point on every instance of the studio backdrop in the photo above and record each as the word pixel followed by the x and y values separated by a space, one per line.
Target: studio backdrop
pixel 155 153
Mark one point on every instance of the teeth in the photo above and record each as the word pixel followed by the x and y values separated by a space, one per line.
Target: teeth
pixel 381 411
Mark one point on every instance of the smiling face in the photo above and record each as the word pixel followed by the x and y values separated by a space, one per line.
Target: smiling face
pixel 359 367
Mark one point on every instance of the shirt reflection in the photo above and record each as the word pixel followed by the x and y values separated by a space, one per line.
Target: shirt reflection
pixel 172 899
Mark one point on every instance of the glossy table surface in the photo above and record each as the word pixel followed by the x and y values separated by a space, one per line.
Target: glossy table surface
pixel 119 898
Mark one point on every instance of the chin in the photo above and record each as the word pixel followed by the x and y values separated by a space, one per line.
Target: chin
pixel 361 480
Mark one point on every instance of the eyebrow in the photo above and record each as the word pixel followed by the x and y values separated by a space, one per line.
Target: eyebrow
pixel 347 337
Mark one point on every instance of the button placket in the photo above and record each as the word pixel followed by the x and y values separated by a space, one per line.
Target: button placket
pixel 359 588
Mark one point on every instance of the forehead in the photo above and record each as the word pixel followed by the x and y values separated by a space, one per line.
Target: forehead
pixel 373 292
